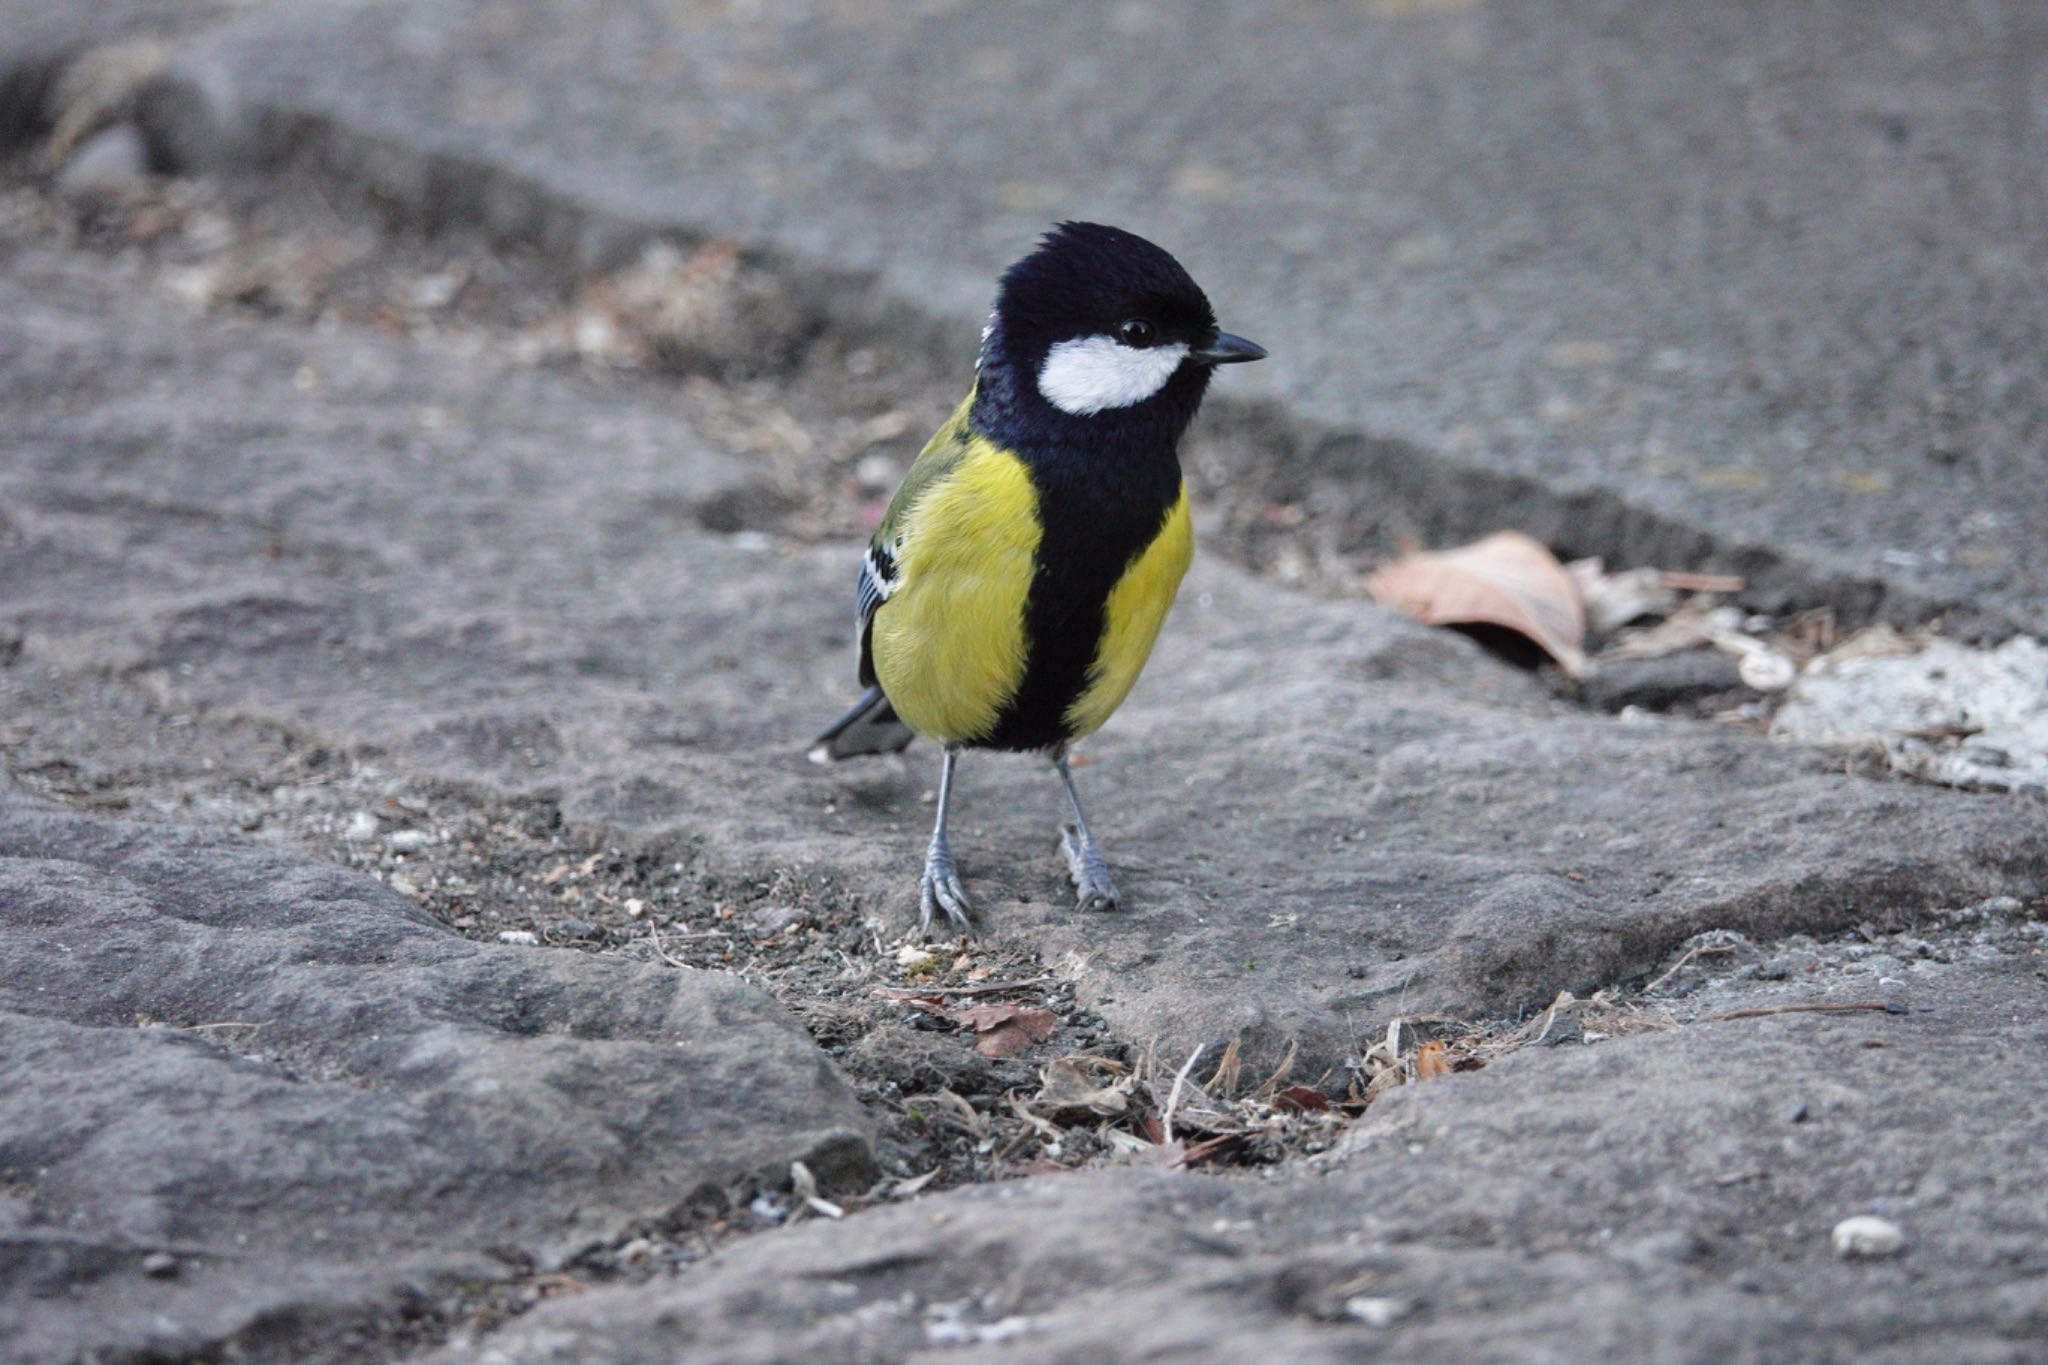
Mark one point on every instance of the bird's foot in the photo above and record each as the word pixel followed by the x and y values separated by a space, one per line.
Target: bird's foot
pixel 940 889
pixel 1094 889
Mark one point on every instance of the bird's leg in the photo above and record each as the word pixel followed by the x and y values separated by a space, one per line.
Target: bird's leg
pixel 1093 887
pixel 940 888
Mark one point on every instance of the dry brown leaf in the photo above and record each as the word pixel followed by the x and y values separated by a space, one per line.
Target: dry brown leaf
pixel 1202 1151
pixel 1071 1090
pixel 1508 580
pixel 1384 1080
pixel 1430 1061
pixel 1005 1029
pixel 1300 1099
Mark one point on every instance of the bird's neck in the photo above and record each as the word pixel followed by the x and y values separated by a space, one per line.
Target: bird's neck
pixel 1009 410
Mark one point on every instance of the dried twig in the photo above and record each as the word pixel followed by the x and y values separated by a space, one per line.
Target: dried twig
pixel 654 938
pixel 551 1286
pixel 993 988
pixel 1679 580
pixel 1697 950
pixel 1859 1007
pixel 1223 1081
pixel 1270 1087
pixel 1173 1095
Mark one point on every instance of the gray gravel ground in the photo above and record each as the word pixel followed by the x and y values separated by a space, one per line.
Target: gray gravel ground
pixel 406 646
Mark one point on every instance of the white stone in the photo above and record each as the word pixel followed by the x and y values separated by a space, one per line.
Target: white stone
pixel 1376 1312
pixel 1867 1237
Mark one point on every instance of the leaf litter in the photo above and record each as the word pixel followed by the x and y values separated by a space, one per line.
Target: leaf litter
pixel 1925 706
pixel 1509 580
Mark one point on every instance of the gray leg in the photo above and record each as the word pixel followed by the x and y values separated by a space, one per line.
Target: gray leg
pixel 1093 888
pixel 940 887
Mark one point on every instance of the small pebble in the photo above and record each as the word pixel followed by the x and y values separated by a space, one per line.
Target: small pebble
pixel 635 907
pixel 436 291
pixel 770 920
pixel 1376 1312
pixel 524 937
pixel 1867 1237
pixel 877 471
pixel 912 958
pixel 361 825
pixel 407 840
pixel 160 1265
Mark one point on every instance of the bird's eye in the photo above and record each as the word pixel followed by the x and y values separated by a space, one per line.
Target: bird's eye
pixel 1137 332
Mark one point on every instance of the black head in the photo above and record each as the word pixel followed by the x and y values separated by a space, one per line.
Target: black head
pixel 1098 329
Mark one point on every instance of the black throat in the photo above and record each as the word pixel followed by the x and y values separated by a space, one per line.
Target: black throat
pixel 1105 484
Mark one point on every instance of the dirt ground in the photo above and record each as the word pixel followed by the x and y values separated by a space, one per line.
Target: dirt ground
pixel 947 1043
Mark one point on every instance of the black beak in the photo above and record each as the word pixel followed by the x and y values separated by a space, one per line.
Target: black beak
pixel 1228 350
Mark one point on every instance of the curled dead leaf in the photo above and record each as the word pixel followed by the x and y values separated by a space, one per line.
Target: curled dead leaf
pixel 1004 1029
pixel 1383 1080
pixel 1508 580
pixel 1300 1099
pixel 1072 1089
pixel 1430 1061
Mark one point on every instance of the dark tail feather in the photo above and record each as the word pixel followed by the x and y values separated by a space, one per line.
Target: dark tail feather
pixel 870 727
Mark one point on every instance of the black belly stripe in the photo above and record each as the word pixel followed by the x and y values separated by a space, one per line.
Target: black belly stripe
pixel 1093 529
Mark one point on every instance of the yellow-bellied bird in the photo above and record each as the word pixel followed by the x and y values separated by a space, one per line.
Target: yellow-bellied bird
pixel 1016 584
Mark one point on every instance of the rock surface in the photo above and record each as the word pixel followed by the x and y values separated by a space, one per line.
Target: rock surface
pixel 1325 815
pixel 1942 712
pixel 247 1099
pixel 1664 1198
pixel 42 83
pixel 1673 284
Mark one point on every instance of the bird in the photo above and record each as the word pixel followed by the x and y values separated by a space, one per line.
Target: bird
pixel 1022 571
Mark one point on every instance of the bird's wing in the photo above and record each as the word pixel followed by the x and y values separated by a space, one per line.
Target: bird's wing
pixel 881 568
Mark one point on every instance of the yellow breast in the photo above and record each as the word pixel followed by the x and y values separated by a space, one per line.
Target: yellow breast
pixel 1136 609
pixel 949 644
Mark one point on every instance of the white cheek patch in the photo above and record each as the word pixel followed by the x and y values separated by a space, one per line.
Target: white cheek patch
pixel 1089 374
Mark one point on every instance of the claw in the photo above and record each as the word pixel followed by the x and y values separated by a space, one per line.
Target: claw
pixel 1094 888
pixel 940 889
